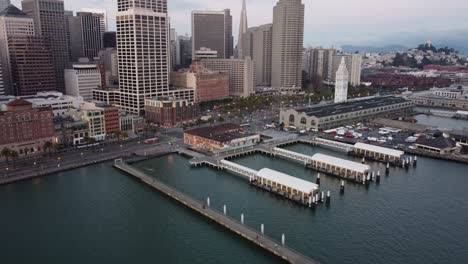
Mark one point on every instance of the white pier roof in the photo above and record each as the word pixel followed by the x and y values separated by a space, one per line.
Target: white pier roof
pixel 289 181
pixel 342 163
pixel 382 150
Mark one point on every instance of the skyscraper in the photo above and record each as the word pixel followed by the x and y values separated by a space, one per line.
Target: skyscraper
pixel 2 85
pixel 110 40
pixel 353 64
pixel 4 4
pixel 32 66
pixel 288 36
pixel 173 48
pixel 258 44
pixel 143 51
pixel 49 22
pixel 317 63
pixel 102 13
pixel 341 84
pixel 212 30
pixel 243 26
pixel 184 51
pixel 13 22
pixel 89 40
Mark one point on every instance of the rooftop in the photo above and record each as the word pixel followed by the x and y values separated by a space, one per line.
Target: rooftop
pixel 12 11
pixel 351 106
pixel 19 102
pixel 342 163
pixel 219 133
pixel 377 149
pixel 438 142
pixel 286 180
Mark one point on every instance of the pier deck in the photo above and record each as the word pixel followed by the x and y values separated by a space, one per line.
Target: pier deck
pixel 236 227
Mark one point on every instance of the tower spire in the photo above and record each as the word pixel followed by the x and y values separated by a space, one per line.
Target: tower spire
pixel 242 30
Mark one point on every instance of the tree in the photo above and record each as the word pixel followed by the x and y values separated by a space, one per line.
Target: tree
pixel 6 152
pixel 221 119
pixel 124 134
pixel 14 155
pixel 48 146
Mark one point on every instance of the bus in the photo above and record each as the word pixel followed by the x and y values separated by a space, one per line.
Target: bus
pixel 151 140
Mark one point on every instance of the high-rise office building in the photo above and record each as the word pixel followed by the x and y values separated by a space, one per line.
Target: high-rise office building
pixel 143 52
pixel 173 48
pixel 243 26
pixel 69 18
pixel 341 84
pixel 184 51
pixel 4 4
pixel 241 74
pixel 91 35
pixel 110 40
pixel 353 64
pixel 317 63
pixel 13 22
pixel 258 45
pixel 288 36
pixel 2 84
pixel 212 30
pixel 32 66
pixel 102 14
pixel 49 23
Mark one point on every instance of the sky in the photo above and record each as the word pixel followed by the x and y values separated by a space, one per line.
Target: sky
pixel 331 22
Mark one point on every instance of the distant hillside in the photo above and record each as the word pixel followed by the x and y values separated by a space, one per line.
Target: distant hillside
pixel 373 49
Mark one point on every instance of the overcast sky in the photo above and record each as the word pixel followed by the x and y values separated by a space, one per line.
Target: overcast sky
pixel 327 22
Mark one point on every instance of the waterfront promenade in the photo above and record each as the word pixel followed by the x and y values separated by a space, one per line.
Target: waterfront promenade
pixel 259 239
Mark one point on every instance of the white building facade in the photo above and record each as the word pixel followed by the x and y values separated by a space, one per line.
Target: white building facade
pixel 82 80
pixel 143 52
pixel 341 84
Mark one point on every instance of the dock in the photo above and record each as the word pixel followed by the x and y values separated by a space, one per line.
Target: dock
pixel 258 238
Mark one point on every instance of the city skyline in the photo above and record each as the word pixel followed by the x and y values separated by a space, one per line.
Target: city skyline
pixel 352 24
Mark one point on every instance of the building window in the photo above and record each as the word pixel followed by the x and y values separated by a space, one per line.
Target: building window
pixel 303 121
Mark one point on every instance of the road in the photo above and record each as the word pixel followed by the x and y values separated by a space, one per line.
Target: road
pixel 78 157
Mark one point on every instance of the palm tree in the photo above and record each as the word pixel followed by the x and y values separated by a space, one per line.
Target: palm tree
pixel 14 155
pixel 6 152
pixel 48 146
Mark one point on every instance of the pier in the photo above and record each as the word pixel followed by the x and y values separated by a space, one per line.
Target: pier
pixel 331 165
pixel 378 153
pixel 258 238
pixel 286 186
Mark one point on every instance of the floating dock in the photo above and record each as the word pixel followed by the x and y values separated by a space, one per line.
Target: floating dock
pixel 258 238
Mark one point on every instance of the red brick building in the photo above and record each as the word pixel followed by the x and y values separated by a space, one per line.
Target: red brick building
pixel 168 112
pixel 26 129
pixel 111 119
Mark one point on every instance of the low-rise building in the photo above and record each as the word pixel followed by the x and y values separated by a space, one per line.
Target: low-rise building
pixel 323 117
pixel 131 123
pixel 438 145
pixel 26 129
pixel 170 112
pixel 219 137
pixel 59 103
